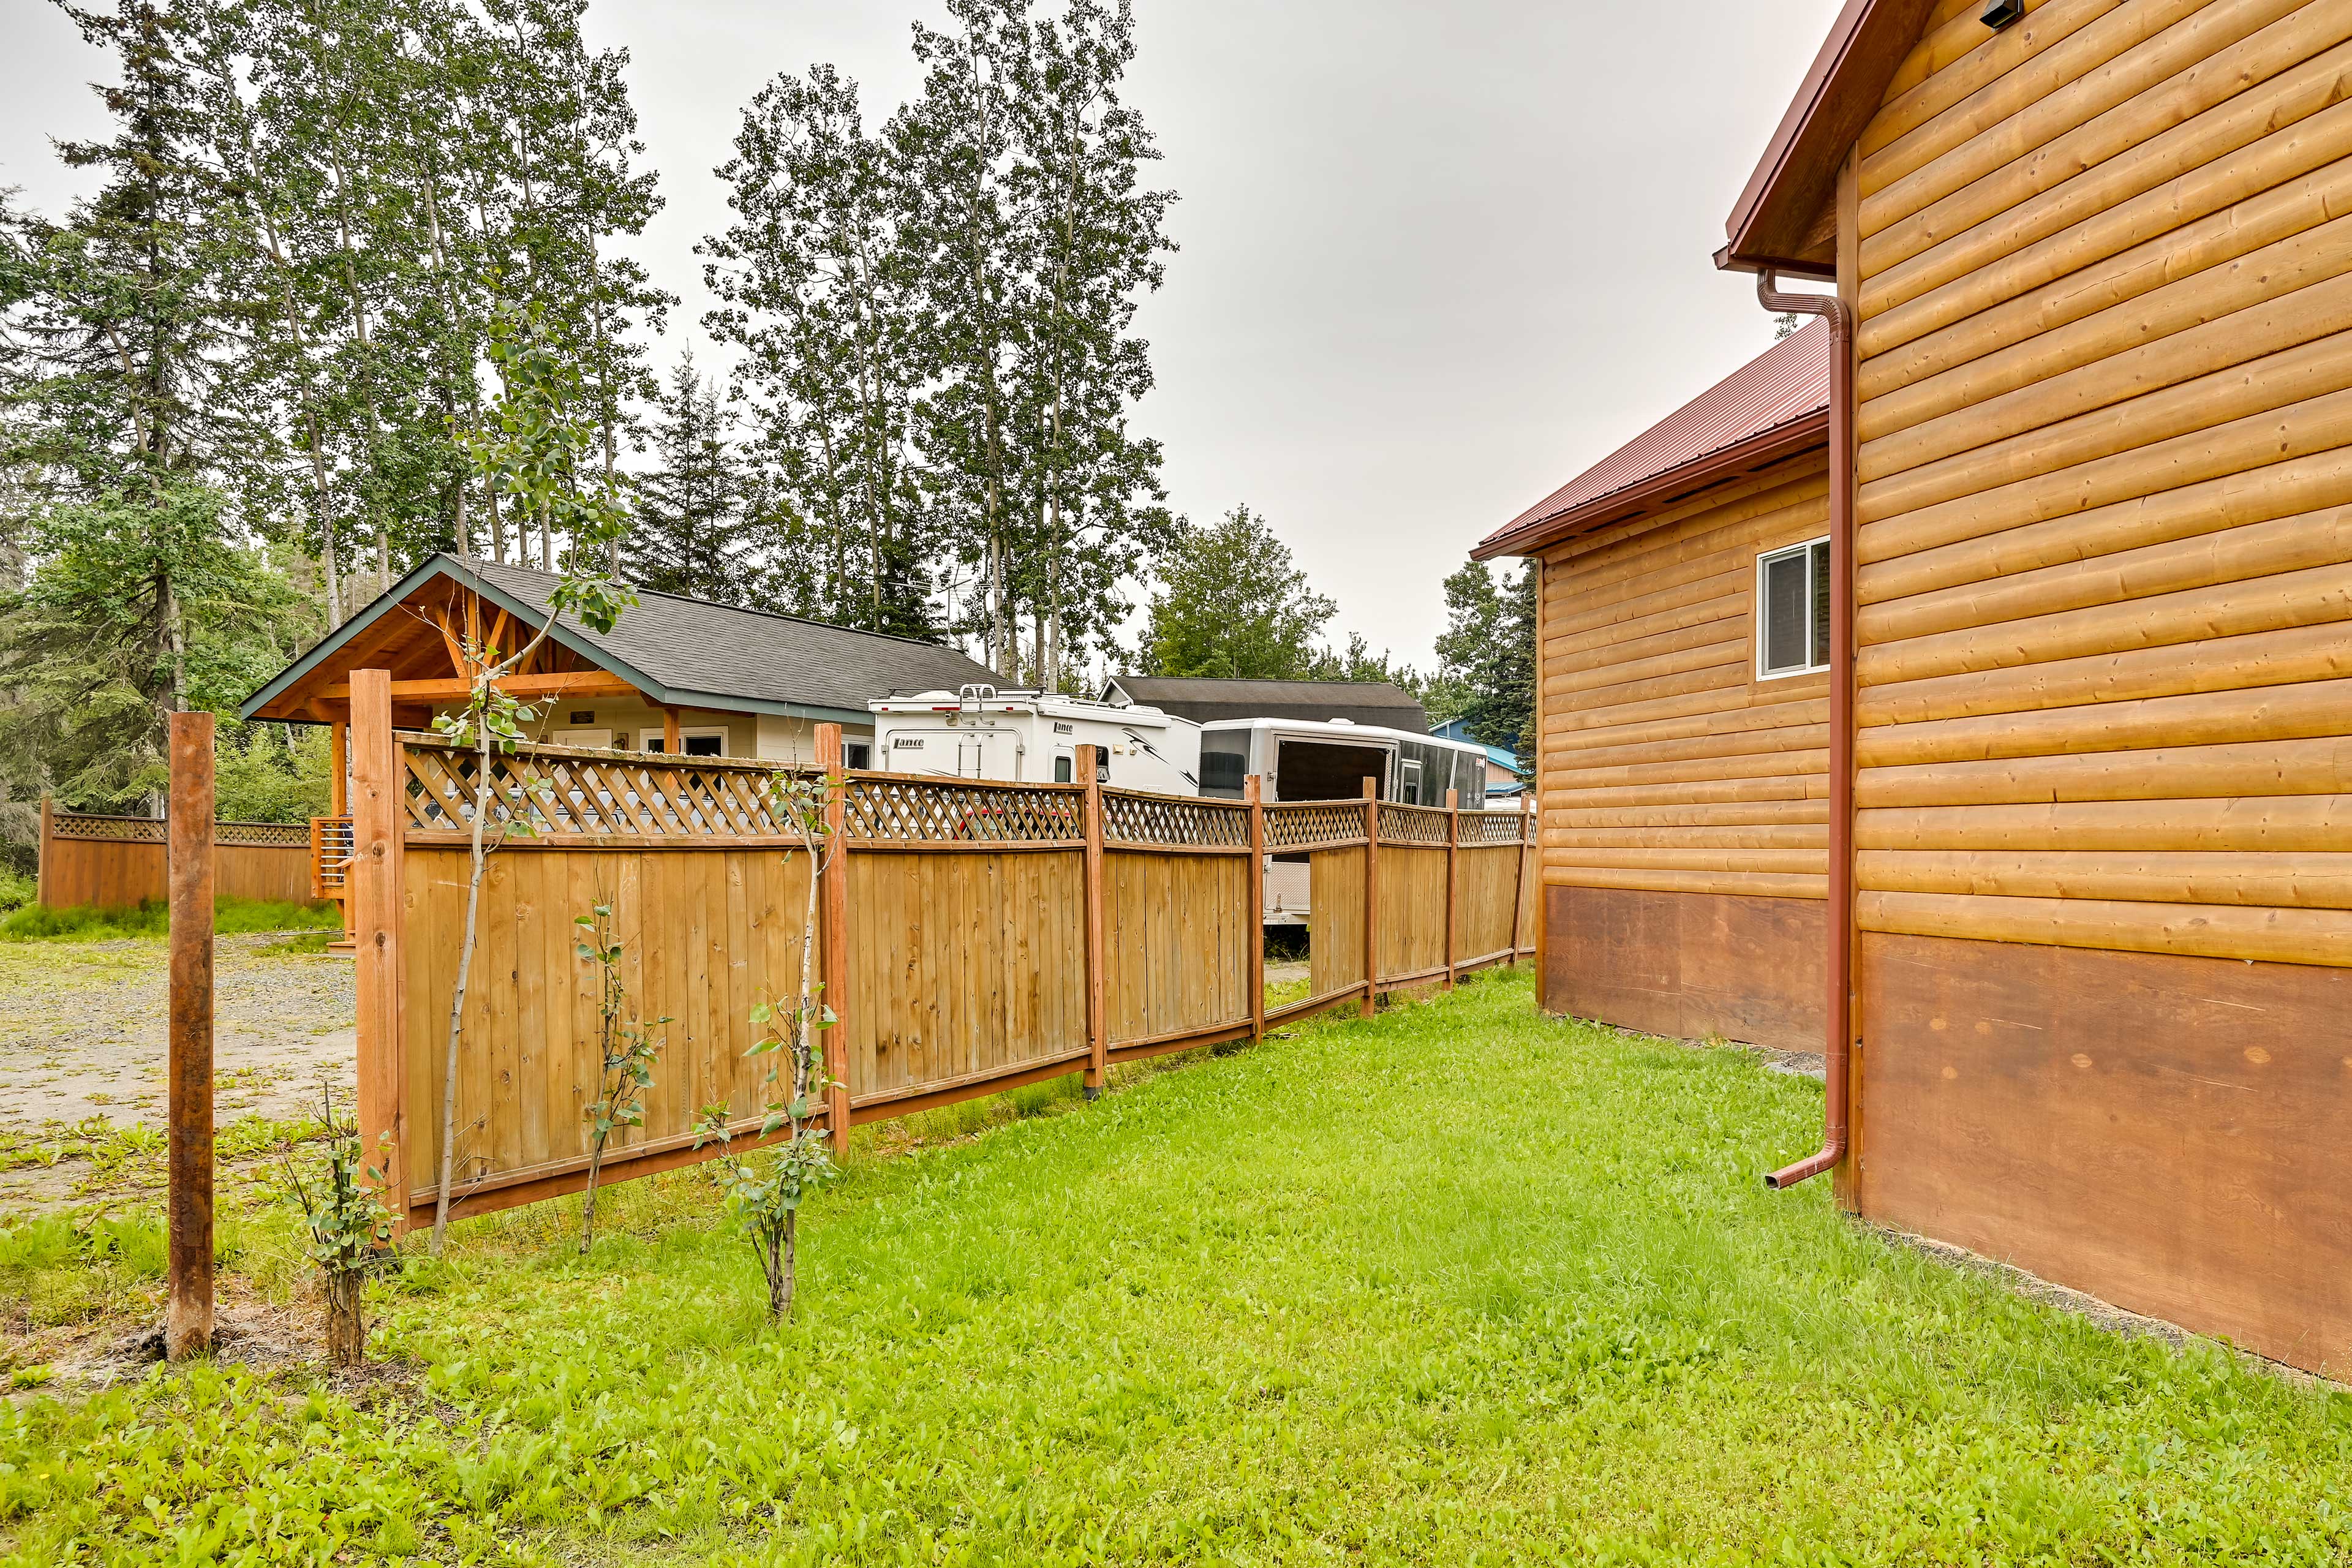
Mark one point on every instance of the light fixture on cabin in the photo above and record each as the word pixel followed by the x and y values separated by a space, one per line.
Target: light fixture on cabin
pixel 2001 13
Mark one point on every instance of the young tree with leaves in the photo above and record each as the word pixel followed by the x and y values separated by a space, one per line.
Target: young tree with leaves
pixel 1232 603
pixel 540 455
pixel 1487 655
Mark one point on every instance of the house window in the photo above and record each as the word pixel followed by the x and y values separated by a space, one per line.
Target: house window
pixel 1793 610
pixel 856 755
pixel 706 743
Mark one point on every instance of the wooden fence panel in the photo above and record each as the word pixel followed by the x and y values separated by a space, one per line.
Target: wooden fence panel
pixel 1335 920
pixel 705 935
pixel 1486 884
pixel 1412 911
pixel 1176 929
pixel 963 967
pixel 117 862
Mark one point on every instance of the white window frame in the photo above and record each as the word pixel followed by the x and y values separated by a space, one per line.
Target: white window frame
pixel 1763 631
pixel 650 738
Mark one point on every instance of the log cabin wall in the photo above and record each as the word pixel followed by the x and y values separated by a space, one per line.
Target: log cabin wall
pixel 1684 799
pixel 2103 262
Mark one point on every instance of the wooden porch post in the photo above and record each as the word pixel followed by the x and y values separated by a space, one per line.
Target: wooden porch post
pixel 1453 836
pixel 834 952
pixel 339 779
pixel 373 885
pixel 1371 896
pixel 1097 1008
pixel 188 1319
pixel 673 745
pixel 1254 791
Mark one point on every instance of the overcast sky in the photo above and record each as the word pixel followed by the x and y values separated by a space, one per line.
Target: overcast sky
pixel 1438 255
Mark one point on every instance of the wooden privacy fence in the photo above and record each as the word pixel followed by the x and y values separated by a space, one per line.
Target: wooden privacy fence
pixel 118 862
pixel 974 936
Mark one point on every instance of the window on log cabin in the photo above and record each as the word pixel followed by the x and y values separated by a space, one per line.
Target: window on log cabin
pixel 1793 610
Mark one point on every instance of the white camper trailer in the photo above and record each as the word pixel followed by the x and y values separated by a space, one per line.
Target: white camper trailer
pixel 1033 737
pixel 1300 760
pixel 1305 760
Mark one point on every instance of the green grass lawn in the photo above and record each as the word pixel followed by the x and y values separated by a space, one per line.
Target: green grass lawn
pixel 231 917
pixel 1454 1286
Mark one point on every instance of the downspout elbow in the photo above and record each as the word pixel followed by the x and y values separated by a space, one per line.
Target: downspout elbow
pixel 1836 1055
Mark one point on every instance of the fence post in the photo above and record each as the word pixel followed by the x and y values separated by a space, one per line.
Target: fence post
pixel 1254 791
pixel 1371 896
pixel 1519 882
pixel 1098 1011
pixel 188 1319
pixel 374 884
pixel 1453 838
pixel 833 951
pixel 41 865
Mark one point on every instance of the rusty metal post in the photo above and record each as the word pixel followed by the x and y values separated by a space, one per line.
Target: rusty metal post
pixel 188 1317
pixel 834 950
pixel 1254 791
pixel 1371 896
pixel 1097 955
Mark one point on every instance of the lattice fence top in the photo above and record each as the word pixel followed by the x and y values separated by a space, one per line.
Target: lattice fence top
pixel 1414 825
pixel 1313 822
pixel 951 811
pixel 273 835
pixel 107 829
pixel 1493 827
pixel 564 793
pixel 1173 820
pixel 90 828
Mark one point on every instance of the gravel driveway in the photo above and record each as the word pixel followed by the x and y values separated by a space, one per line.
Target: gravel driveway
pixel 83 1034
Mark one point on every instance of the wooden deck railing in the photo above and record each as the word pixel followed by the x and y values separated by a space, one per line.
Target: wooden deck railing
pixel 977 936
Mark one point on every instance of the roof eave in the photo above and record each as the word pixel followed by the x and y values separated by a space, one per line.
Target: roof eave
pixel 458 572
pixel 1783 440
pixel 1798 173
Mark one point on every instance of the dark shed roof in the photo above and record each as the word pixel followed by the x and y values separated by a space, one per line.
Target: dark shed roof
pixel 1203 700
pixel 695 654
pixel 1772 407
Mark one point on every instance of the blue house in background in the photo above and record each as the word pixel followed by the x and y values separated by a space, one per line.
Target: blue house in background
pixel 1505 777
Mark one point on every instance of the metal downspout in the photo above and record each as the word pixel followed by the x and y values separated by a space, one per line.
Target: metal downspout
pixel 1836 1107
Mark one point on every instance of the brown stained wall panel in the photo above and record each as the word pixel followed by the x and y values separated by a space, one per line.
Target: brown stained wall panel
pixel 2171 1134
pixel 1687 965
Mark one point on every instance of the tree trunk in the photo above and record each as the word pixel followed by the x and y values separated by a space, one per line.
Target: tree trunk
pixel 346 1319
pixel 457 997
pixel 791 1264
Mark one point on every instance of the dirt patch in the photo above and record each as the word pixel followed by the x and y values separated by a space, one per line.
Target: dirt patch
pixel 1286 973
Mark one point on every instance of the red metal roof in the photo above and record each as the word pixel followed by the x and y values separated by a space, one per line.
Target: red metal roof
pixel 1767 407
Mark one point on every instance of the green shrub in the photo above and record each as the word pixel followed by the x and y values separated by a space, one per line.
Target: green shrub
pixel 16 890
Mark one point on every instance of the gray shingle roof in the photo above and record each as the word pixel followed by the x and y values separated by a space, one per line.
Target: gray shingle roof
pixel 691 646
pixel 1203 700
